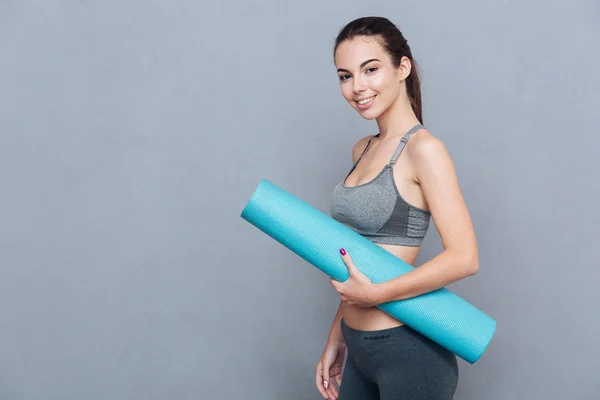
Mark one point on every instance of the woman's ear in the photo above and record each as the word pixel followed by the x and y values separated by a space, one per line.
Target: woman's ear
pixel 404 68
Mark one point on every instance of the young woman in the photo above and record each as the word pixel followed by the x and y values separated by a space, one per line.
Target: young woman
pixel 402 178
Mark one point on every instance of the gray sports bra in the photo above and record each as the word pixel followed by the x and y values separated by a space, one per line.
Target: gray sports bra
pixel 376 209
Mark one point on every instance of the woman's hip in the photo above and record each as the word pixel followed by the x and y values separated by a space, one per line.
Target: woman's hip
pixel 398 350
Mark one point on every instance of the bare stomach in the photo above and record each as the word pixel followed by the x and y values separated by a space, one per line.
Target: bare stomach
pixel 372 318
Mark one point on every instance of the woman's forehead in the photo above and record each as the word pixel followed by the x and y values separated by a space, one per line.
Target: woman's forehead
pixel 351 53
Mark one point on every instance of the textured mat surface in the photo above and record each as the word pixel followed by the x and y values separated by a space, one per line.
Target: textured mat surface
pixel 442 316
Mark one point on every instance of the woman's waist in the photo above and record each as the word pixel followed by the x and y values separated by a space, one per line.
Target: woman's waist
pixel 368 318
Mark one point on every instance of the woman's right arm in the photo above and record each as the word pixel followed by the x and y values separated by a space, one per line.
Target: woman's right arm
pixel 335 333
pixel 332 359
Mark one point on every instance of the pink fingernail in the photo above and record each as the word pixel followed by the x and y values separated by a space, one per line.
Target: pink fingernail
pixel 343 252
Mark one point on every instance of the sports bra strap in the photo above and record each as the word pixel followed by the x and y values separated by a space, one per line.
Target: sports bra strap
pixel 403 142
pixel 365 150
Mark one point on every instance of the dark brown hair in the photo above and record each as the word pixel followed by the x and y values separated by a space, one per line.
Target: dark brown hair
pixel 394 43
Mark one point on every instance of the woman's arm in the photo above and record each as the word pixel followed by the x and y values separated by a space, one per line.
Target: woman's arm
pixel 435 172
pixel 335 333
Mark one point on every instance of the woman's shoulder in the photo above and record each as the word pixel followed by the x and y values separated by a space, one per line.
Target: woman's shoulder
pixel 428 155
pixel 425 144
pixel 360 146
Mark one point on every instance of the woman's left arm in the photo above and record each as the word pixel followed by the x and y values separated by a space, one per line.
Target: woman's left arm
pixel 436 174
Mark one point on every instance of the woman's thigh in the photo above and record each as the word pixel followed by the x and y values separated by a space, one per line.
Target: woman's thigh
pixel 356 386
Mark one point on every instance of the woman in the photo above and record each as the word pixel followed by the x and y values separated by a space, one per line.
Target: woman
pixel 401 178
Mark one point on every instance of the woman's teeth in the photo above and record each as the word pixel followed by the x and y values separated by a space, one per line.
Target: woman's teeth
pixel 365 101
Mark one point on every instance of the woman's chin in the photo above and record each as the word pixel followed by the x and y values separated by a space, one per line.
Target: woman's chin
pixel 368 114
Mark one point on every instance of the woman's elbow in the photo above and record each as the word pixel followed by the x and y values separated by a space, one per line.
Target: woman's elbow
pixel 471 263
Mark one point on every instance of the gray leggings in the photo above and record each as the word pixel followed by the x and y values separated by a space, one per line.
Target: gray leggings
pixel 394 364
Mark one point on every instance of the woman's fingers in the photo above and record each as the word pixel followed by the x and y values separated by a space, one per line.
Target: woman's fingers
pixel 319 380
pixel 325 374
pixel 333 390
pixel 336 378
pixel 338 381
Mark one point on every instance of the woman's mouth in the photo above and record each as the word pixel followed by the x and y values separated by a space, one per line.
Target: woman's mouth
pixel 365 103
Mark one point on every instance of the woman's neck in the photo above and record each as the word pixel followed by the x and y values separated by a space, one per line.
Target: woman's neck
pixel 397 119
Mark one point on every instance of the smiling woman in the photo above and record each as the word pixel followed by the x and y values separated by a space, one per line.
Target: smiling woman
pixel 401 178
pixel 378 74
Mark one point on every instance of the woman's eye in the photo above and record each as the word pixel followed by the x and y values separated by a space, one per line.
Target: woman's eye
pixel 344 77
pixel 373 69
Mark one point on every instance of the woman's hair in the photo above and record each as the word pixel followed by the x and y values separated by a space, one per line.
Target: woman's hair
pixel 394 43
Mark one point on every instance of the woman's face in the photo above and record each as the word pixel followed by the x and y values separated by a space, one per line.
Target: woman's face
pixel 368 80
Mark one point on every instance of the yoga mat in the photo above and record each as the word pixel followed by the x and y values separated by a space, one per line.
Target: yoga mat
pixel 441 315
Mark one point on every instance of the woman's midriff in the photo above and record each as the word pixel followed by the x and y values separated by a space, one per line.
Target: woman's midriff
pixel 372 318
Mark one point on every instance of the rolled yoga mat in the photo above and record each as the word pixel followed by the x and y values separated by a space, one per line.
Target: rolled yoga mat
pixel 442 316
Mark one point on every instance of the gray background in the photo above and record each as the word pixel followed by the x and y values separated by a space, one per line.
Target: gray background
pixel 133 133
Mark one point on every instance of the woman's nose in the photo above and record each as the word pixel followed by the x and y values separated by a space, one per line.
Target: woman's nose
pixel 359 85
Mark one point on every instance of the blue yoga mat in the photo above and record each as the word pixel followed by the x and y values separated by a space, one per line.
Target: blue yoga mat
pixel 441 315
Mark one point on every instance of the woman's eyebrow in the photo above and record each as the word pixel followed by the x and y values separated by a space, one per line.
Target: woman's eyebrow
pixel 361 65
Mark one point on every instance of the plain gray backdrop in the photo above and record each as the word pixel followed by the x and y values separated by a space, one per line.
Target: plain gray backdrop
pixel 133 133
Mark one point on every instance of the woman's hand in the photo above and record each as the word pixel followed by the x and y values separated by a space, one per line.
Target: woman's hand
pixel 357 290
pixel 330 367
